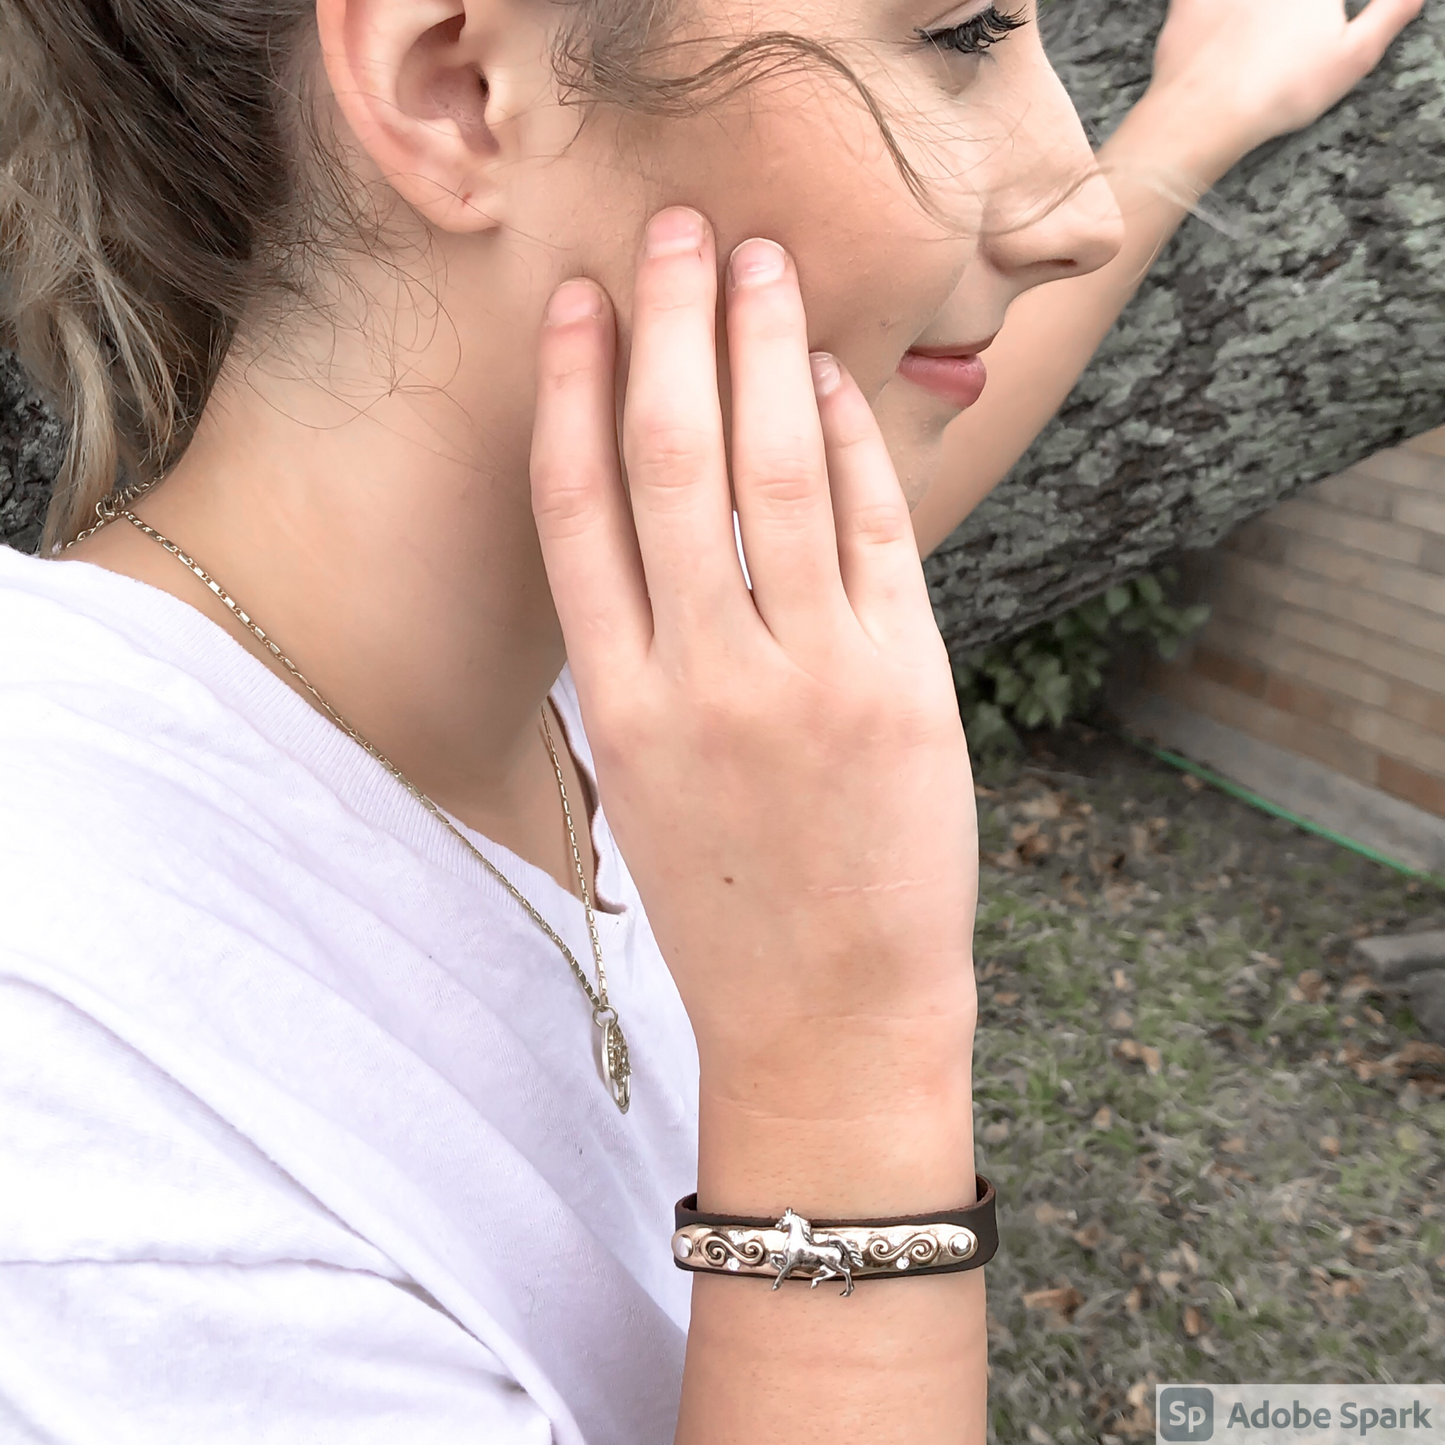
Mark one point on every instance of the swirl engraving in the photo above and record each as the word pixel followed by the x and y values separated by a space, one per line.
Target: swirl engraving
pixel 614 1045
pixel 718 1249
pixel 916 1249
pixel 794 1250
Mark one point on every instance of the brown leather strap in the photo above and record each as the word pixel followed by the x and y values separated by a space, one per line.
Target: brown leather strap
pixel 981 1218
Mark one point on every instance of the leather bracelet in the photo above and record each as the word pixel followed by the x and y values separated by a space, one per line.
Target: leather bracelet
pixel 848 1249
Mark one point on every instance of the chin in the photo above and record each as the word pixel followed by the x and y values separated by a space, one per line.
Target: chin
pixel 917 461
pixel 913 423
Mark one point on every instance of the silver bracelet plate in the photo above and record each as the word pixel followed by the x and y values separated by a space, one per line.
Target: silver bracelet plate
pixel 794 1249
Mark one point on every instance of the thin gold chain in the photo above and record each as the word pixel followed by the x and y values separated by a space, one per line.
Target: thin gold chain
pixel 616 1066
pixel 599 999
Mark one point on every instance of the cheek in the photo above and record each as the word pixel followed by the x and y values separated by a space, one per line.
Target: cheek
pixel 877 270
pixel 875 291
pixel 808 169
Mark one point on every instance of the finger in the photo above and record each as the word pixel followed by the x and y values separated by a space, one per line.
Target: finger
pixel 673 433
pixel 877 552
pixel 583 521
pixel 1371 32
pixel 780 473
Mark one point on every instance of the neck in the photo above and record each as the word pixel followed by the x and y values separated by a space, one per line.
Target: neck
pixel 396 570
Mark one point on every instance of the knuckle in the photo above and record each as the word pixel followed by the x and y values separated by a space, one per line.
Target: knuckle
pixel 721 713
pixel 611 739
pixel 713 724
pixel 565 500
pixel 879 524
pixel 783 480
pixel 668 451
pixel 620 726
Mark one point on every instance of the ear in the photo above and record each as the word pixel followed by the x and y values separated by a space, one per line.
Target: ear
pixel 421 84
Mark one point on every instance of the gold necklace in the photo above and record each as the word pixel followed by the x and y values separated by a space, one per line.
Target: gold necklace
pixel 615 1064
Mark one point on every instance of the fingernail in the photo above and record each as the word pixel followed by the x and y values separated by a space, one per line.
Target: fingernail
pixel 757 262
pixel 573 301
pixel 671 232
pixel 826 375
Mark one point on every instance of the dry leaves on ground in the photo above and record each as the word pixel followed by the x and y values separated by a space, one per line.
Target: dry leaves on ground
pixel 1133 1051
pixel 1061 1303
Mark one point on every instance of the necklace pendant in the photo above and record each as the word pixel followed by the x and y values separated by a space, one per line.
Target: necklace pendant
pixel 616 1066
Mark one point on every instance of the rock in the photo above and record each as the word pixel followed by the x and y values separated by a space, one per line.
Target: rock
pixel 1395 957
pixel 1427 1003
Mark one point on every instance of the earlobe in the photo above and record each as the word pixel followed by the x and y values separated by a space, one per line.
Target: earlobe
pixel 408 79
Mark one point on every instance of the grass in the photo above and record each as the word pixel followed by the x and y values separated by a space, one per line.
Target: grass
pixel 1220 1152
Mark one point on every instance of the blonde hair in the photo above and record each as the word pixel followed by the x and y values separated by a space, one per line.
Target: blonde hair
pixel 147 179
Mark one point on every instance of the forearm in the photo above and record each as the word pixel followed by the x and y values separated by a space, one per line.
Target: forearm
pixel 854 1128
pixel 1158 165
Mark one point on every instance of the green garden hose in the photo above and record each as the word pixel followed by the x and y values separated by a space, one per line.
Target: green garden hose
pixel 1247 795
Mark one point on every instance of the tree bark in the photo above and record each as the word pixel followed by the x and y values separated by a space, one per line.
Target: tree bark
pixel 31 447
pixel 1297 330
pixel 1300 330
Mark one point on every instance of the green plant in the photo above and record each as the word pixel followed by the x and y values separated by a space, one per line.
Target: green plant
pixel 1055 670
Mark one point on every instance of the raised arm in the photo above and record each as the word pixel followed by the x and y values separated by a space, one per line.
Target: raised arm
pixel 786 773
pixel 1228 76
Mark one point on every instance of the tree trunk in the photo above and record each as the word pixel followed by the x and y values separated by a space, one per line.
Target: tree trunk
pixel 1299 332
pixel 1299 329
pixel 31 446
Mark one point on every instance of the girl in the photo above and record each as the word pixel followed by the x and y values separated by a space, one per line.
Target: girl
pixel 348 1087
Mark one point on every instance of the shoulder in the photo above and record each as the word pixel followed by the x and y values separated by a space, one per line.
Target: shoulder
pixel 127 738
pixel 77 640
pixel 138 736
pixel 58 618
pixel 109 1158
pixel 161 1275
pixel 169 807
pixel 101 677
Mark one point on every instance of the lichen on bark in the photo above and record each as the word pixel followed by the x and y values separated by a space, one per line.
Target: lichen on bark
pixel 31 448
pixel 1300 331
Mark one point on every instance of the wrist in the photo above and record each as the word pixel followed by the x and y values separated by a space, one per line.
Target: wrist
pixel 1175 137
pixel 851 1119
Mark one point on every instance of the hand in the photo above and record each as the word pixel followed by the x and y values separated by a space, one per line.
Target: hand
pixel 1249 70
pixel 785 769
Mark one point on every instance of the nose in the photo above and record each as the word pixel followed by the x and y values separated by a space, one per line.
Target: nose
pixel 1053 214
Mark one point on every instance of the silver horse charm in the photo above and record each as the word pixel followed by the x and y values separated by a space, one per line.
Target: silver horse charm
pixel 823 1256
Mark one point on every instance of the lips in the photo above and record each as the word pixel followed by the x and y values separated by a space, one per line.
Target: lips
pixel 959 377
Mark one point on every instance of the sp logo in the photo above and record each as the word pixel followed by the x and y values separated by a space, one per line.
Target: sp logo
pixel 1186 1413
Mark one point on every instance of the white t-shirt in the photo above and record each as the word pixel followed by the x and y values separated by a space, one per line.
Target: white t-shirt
pixel 302 1134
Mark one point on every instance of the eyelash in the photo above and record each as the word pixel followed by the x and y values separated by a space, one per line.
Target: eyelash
pixel 975 36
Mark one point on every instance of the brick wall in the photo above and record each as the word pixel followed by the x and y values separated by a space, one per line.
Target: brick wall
pixel 1328 630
